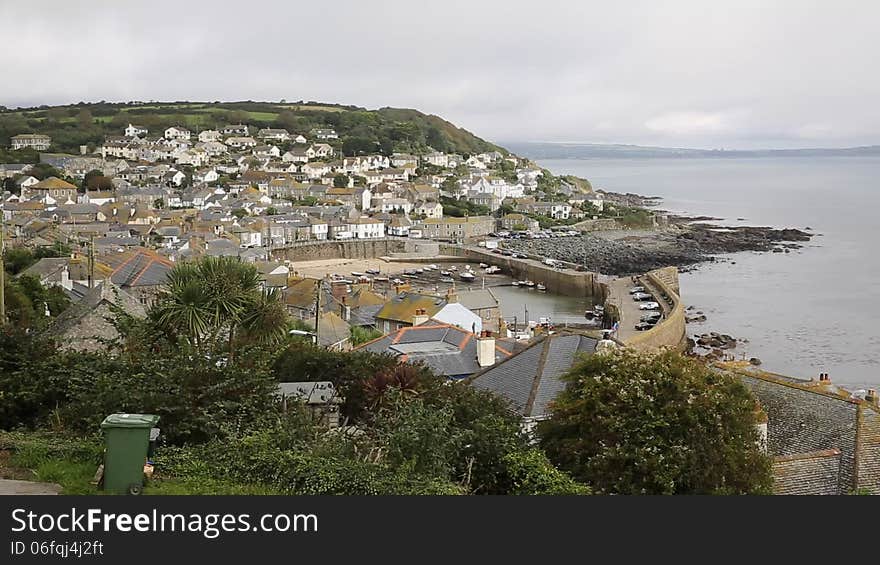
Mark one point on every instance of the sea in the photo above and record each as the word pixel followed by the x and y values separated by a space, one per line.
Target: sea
pixel 813 310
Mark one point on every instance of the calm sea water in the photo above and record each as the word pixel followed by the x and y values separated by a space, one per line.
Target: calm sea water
pixel 810 311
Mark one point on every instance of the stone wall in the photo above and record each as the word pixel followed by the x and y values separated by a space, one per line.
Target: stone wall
pixel 568 282
pixel 349 249
pixel 671 331
pixel 601 224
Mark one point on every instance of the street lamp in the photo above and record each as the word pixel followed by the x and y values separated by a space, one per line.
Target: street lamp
pixel 304 332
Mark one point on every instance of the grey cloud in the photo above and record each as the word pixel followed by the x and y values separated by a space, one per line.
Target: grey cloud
pixel 688 73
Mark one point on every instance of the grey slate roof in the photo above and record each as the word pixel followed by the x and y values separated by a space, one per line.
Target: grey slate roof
pixel 447 350
pixel 531 379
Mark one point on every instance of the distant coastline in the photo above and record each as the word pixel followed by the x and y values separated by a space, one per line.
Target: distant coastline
pixel 546 150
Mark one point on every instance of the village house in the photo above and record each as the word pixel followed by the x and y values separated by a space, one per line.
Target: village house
pixel 532 378
pixel 429 210
pixel 268 134
pixel 456 229
pixel 209 135
pixel 320 398
pixel 447 350
pixel 555 210
pixel 57 190
pixel 31 140
pixel 237 129
pixel 324 133
pixel 177 134
pixel 519 222
pixel 135 131
pixel 86 325
pixel 367 228
pixel 241 142
pixel 322 150
pixel 298 155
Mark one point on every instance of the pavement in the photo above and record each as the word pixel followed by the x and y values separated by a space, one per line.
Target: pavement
pixel 8 486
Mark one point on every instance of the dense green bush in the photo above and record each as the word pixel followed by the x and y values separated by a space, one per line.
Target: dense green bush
pixel 664 424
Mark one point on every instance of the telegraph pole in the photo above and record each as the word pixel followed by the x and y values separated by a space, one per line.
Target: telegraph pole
pixel 2 269
pixel 317 308
pixel 91 263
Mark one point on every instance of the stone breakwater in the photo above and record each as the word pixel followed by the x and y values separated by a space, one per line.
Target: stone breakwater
pixel 679 246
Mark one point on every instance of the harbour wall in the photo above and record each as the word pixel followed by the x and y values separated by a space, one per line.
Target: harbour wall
pixel 557 281
pixel 671 332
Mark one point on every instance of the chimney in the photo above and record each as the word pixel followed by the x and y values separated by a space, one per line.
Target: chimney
pixel 451 296
pixel 486 349
pixel 420 317
pixel 345 309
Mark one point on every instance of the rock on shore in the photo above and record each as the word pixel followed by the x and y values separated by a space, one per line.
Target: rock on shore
pixel 683 245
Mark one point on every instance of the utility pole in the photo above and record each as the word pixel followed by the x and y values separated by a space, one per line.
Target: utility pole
pixel 317 308
pixel 91 263
pixel 2 269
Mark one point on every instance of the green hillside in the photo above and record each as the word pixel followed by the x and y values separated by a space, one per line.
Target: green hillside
pixel 386 130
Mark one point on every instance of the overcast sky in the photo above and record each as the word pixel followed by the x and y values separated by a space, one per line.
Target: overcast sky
pixel 720 73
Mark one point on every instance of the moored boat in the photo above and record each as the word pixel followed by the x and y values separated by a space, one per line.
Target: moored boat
pixel 467 276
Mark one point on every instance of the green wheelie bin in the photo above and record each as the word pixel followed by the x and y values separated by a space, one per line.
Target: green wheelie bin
pixel 126 439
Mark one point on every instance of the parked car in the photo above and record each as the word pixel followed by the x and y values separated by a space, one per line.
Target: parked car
pixel 642 326
pixel 636 289
pixel 640 296
pixel 649 306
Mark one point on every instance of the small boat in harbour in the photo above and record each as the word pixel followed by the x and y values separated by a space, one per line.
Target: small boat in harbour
pixel 447 280
pixel 492 270
pixel 483 265
pixel 541 287
pixel 467 276
pixel 530 284
pixel 514 283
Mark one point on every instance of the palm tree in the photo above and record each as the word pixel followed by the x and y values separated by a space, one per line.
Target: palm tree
pixel 212 299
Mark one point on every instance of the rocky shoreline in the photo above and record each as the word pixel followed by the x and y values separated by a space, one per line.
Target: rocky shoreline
pixel 684 244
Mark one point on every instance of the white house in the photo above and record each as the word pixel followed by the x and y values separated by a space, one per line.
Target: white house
pixel 437 158
pixel 391 205
pixel 325 133
pixel 135 131
pixel 298 155
pixel 177 133
pixel 209 135
pixel 241 141
pixel 316 169
pixel 367 228
pixel 238 129
pixel 318 228
pixel 299 139
pixel 269 134
pixel 322 150
pixel 248 237
pixel 429 209
pixel 213 148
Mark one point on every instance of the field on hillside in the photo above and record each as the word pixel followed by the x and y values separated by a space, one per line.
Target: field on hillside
pixel 360 131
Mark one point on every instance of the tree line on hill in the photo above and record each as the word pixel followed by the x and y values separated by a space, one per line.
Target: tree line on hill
pixel 360 131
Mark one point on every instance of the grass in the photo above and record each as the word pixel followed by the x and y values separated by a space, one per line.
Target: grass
pixel 72 462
